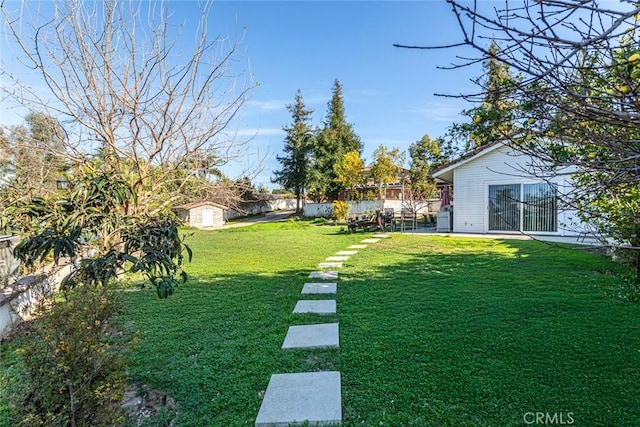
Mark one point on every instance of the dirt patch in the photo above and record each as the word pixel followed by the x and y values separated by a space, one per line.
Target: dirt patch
pixel 146 406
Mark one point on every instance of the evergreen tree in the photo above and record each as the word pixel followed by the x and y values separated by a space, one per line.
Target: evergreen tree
pixel 498 81
pixel 297 146
pixel 493 119
pixel 336 138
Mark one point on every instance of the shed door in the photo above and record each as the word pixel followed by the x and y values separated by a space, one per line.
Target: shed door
pixel 207 217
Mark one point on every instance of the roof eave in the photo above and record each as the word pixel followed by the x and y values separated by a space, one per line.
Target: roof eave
pixel 445 172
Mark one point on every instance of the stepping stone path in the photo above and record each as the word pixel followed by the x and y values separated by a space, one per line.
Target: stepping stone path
pixel 311 398
pixel 330 265
pixel 370 240
pixel 319 288
pixel 324 275
pixel 324 335
pixel 316 306
pixel 292 399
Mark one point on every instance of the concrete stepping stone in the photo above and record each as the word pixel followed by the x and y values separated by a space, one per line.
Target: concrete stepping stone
pixel 319 288
pixel 316 306
pixel 357 246
pixel 370 240
pixel 324 275
pixel 337 258
pixel 292 399
pixel 330 265
pixel 346 252
pixel 380 236
pixel 323 335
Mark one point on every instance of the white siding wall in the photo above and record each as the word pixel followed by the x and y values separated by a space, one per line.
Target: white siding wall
pixel 500 166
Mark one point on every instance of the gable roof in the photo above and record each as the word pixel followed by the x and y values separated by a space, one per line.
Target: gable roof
pixel 445 172
pixel 193 205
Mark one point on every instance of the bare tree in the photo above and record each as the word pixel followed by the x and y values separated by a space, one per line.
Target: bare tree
pixel 127 86
pixel 575 92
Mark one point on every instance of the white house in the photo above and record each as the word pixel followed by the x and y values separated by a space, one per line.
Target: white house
pixel 201 214
pixel 493 194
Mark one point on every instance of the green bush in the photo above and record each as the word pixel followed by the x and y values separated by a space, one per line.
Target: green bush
pixel 340 210
pixel 75 366
pixel 74 361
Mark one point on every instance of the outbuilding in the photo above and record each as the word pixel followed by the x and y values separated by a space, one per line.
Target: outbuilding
pixel 201 214
pixel 493 193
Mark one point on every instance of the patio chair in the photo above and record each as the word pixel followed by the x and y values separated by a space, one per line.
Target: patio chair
pixel 407 215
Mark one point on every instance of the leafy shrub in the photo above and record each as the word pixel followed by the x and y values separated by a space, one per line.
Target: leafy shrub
pixel 75 370
pixel 74 362
pixel 340 210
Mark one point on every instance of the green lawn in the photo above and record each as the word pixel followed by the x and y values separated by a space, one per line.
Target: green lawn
pixel 433 330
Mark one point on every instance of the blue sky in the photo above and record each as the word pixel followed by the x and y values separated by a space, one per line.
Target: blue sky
pixel 388 92
pixel 290 45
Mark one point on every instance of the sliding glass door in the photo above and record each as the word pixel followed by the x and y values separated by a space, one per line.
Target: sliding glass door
pixel 523 207
pixel 539 207
pixel 504 207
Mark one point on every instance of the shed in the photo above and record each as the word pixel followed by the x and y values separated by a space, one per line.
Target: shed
pixel 201 214
pixel 493 193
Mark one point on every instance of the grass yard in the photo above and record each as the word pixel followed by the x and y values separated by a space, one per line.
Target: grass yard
pixel 433 330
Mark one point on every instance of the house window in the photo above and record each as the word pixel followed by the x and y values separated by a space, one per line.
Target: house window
pixel 523 207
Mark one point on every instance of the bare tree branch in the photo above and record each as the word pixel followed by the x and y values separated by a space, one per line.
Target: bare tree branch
pixel 122 81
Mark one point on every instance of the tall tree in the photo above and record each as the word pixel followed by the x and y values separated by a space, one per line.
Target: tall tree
pixel 386 167
pixel 120 78
pixel 493 119
pixel 125 84
pixel 298 143
pixel 336 138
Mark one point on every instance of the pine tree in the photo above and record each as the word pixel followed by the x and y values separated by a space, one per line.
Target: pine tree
pixel 297 146
pixel 498 81
pixel 493 119
pixel 335 140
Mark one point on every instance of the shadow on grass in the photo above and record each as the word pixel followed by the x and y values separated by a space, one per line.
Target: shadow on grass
pixel 437 332
pixel 215 344
pixel 446 333
pixel 432 331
